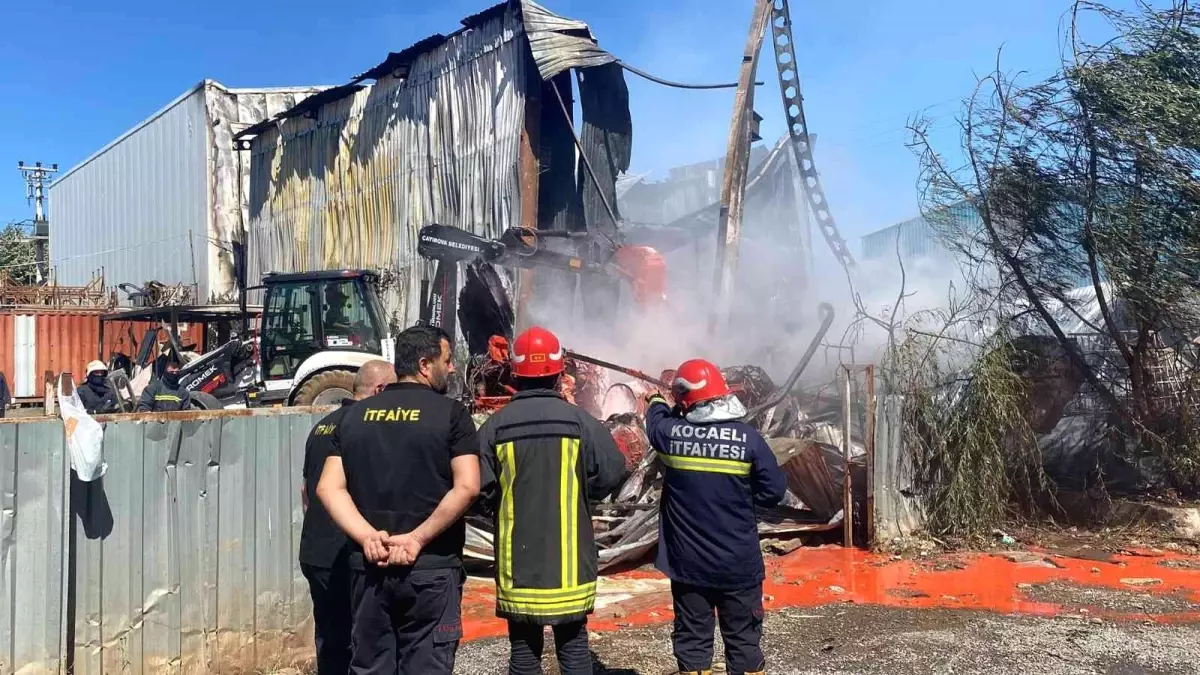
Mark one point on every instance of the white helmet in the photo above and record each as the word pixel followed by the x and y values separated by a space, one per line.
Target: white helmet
pixel 97 366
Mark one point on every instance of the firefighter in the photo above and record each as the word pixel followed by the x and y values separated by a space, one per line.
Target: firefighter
pixel 96 394
pixel 324 549
pixel 165 394
pixel 403 469
pixel 716 470
pixel 551 458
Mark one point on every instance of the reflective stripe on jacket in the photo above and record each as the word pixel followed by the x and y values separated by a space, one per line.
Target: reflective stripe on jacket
pixel 715 475
pixel 158 397
pixel 544 460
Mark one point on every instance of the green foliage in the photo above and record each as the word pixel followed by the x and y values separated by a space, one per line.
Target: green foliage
pixel 968 436
pixel 17 255
pixel 1093 173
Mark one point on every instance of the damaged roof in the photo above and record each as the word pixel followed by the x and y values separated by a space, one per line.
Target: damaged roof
pixel 556 43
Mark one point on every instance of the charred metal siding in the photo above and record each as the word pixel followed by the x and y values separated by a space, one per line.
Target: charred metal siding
pixel 164 201
pixel 184 555
pixel 350 183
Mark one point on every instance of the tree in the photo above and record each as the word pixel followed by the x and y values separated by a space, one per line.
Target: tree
pixel 18 255
pixel 1093 173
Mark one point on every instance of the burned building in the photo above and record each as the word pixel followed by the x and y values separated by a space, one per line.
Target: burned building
pixel 680 215
pixel 473 129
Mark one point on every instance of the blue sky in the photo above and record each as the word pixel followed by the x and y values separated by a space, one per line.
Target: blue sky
pixel 77 73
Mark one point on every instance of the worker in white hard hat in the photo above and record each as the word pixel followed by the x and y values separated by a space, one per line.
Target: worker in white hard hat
pixel 96 394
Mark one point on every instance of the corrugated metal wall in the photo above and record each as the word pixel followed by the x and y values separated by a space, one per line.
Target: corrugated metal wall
pixel 32 344
pixel 139 207
pixel 184 553
pixel 166 200
pixel 919 238
pixel 351 186
pixel 228 111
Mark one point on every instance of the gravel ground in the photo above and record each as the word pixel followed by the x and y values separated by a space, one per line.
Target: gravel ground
pixel 870 640
pixel 1109 599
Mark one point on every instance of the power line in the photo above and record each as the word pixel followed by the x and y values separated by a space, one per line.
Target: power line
pixel 96 253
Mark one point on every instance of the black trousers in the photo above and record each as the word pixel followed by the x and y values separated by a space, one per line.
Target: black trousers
pixel 332 614
pixel 527 640
pixel 741 616
pixel 407 622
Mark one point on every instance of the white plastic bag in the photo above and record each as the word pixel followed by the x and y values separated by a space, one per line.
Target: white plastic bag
pixel 85 437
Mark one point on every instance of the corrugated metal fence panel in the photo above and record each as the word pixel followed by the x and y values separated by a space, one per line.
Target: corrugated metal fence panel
pixel 186 550
pixel 25 345
pixel 8 568
pixel 352 186
pixel 33 480
pixel 139 207
pixel 897 514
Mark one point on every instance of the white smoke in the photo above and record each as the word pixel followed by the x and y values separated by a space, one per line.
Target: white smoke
pixel 774 309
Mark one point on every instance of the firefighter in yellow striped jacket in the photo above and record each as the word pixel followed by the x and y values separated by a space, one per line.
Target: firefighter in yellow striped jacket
pixel 549 459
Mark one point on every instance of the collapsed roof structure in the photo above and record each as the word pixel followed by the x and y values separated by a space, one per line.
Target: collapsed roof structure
pixel 477 130
pixel 463 129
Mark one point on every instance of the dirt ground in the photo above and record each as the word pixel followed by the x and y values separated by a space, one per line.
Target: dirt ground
pixel 869 640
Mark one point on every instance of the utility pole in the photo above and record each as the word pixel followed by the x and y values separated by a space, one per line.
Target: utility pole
pixel 742 132
pixel 36 178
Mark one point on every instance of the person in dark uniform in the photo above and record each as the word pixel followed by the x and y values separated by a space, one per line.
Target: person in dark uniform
pixel 716 470
pixel 324 549
pixel 165 394
pixel 551 458
pixel 5 395
pixel 96 394
pixel 403 469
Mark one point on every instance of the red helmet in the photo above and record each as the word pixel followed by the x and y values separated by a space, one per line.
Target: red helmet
pixel 537 353
pixel 697 381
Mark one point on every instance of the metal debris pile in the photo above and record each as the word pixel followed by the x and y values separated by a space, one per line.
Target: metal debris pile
pixel 800 431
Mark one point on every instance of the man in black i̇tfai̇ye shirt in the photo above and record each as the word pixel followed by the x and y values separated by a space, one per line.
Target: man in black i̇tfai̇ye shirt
pixel 404 470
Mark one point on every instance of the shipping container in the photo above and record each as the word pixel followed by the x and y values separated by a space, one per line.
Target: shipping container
pixel 166 200
pixel 35 342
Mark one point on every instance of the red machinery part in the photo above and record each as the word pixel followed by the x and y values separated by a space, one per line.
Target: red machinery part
pixel 647 271
pixel 631 441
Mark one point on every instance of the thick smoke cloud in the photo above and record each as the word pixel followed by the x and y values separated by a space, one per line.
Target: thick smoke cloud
pixel 773 314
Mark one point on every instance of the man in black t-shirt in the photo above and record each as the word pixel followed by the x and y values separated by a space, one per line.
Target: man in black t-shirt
pixel 403 470
pixel 324 549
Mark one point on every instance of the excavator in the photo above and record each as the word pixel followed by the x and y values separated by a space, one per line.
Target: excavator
pixel 641 268
pixel 486 313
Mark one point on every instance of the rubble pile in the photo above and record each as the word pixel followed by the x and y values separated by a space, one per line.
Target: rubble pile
pixel 805 441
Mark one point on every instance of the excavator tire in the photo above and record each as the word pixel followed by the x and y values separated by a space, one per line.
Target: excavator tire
pixel 327 388
pixel 203 401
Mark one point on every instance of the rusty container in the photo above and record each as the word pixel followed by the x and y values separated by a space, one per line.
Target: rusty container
pixel 35 341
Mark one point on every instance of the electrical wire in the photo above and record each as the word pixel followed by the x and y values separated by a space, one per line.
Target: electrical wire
pixel 677 85
pixel 55 261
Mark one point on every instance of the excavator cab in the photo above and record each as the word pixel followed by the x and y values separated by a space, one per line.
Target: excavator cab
pixel 317 329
